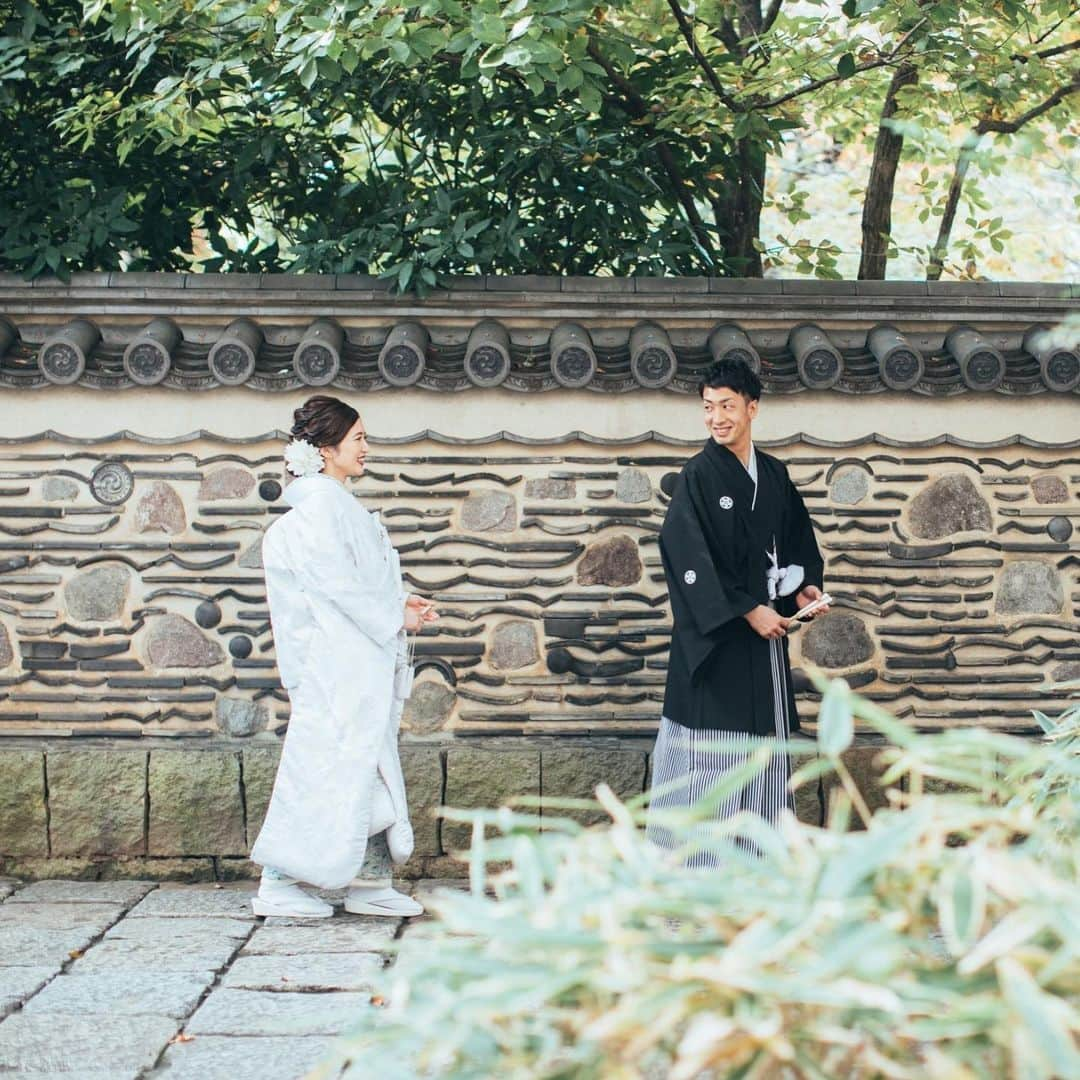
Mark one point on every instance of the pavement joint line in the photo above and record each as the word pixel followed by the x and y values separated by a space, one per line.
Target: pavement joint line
pixel 321 985
pixel 65 967
pixel 182 1022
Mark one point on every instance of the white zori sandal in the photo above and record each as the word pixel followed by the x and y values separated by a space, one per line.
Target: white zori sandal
pixel 380 898
pixel 283 897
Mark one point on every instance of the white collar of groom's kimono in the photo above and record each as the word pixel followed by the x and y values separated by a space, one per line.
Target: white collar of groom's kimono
pixel 751 469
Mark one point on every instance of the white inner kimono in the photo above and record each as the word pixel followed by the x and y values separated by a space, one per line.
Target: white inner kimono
pixel 336 600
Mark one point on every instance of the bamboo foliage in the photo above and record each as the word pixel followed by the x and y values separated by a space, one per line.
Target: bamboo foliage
pixel 940 942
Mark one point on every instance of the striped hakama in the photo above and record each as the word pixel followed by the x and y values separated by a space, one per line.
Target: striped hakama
pixel 702 757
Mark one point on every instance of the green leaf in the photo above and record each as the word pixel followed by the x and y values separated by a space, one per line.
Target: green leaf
pixel 845 66
pixel 590 97
pixel 836 726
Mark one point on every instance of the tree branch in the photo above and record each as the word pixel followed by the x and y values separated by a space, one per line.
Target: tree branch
pixel 771 15
pixel 1046 54
pixel 967 154
pixel 700 58
pixel 637 107
pixel 817 84
pixel 730 36
pixel 1009 127
pixel 882 61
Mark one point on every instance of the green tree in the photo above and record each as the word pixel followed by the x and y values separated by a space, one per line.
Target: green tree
pixel 528 135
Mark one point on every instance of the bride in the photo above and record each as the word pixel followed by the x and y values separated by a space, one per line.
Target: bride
pixel 338 814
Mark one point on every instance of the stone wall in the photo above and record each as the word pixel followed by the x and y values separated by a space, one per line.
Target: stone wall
pixel 140 711
pixel 143 619
pixel 133 603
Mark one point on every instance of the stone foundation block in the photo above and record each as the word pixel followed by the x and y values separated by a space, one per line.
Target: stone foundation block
pixel 23 828
pixel 97 802
pixel 260 768
pixel 861 762
pixel 575 774
pixel 480 778
pixel 195 803
pixel 424 787
pixel 190 871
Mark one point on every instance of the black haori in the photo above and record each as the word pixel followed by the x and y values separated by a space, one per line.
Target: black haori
pixel 728 689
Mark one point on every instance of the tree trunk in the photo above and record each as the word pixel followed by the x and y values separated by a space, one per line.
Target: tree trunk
pixel 952 202
pixel 737 210
pixel 877 203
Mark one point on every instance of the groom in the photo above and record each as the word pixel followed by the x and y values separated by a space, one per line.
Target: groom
pixel 740 558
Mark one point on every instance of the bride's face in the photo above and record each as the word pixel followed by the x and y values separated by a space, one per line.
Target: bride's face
pixel 347 458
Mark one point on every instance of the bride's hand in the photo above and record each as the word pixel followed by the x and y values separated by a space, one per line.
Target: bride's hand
pixel 425 608
pixel 418 613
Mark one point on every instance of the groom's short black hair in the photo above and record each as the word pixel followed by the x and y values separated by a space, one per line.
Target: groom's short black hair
pixel 733 374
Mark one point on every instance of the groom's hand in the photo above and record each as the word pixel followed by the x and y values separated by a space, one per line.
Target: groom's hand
pixel 766 622
pixel 808 596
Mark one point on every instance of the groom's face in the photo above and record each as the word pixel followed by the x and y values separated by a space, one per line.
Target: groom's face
pixel 728 415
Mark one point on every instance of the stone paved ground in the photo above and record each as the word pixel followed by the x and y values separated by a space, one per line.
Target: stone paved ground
pixel 131 980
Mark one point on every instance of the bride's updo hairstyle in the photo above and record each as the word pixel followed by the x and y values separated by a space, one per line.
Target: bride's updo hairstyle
pixel 323 421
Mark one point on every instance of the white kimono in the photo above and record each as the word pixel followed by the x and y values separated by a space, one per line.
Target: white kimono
pixel 334 586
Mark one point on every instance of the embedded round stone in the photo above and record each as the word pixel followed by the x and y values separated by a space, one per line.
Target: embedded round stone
pixel 1069 671
pixel 160 510
pixel 429 707
pixel 1029 587
pixel 837 640
pixel 487 365
pixel 240 647
pixel 850 486
pixel 208 614
pixel 950 505
pixel 251 557
pixel 269 491
pixel 611 562
pixel 147 362
pixel 668 483
pixel 1059 529
pixel 227 483
pixel 653 367
pixel 59 489
pixel 633 486
pixel 548 488
pixel 513 645
pixel 239 718
pixel 231 361
pixel 173 642
pixel 112 483
pixel 6 653
pixel 489 511
pixel 98 594
pixel 1049 489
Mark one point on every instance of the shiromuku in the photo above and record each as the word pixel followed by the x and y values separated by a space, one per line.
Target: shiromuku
pixel 340 615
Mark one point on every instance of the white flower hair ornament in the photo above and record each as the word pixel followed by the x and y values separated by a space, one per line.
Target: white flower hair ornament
pixel 303 459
